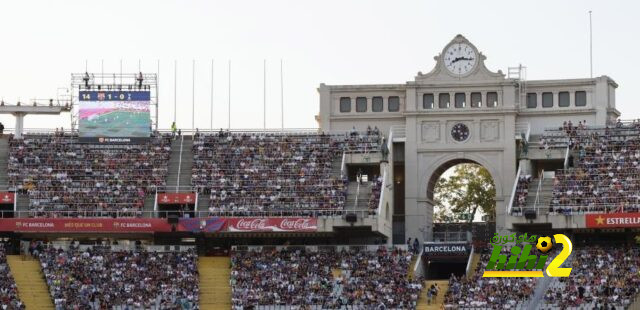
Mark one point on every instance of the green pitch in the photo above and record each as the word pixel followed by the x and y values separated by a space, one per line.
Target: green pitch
pixel 117 124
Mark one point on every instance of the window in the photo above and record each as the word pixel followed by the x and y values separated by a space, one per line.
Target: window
pixel 394 104
pixel 427 101
pixel 563 99
pixel 460 100
pixel 476 100
pixel 532 100
pixel 581 99
pixel 443 101
pixel 361 104
pixel 547 100
pixel 492 99
pixel 345 104
pixel 376 104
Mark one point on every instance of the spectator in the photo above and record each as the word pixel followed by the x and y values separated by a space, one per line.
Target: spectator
pixel 8 288
pixel 1 129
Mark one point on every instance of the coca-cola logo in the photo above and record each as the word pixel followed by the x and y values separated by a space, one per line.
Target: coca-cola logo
pixel 251 224
pixel 296 224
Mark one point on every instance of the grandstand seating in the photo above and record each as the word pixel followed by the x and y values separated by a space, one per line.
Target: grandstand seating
pixel 522 191
pixel 63 177
pixel 298 276
pixel 251 173
pixel 605 176
pixel 99 277
pixel 601 276
pixel 8 289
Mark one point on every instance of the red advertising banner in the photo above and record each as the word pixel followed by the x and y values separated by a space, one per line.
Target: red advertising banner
pixel 284 224
pixel 176 198
pixel 7 197
pixel 611 220
pixel 125 225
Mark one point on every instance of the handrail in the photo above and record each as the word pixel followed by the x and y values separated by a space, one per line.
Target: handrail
pixel 566 158
pixel 355 205
pixel 535 204
pixel 179 163
pixel 470 260
pixel 343 165
pixel 513 190
pixel 383 186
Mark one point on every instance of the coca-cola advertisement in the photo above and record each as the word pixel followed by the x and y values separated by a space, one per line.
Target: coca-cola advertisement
pixel 278 224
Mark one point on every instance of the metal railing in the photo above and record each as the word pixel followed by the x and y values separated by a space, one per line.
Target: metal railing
pixel 470 260
pixel 513 191
pixel 179 163
pixel 523 128
pixel 535 204
pixel 383 187
pixel 566 157
pixel 182 214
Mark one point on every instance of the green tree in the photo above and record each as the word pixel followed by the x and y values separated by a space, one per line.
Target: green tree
pixel 461 195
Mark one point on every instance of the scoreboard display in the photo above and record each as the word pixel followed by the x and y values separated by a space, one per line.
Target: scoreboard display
pixel 114 116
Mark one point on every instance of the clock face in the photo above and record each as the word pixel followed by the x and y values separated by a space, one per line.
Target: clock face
pixel 460 58
pixel 460 132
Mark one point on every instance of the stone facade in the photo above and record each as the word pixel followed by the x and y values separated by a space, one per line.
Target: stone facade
pixel 491 107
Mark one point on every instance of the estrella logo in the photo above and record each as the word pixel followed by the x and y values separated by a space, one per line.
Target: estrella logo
pixel 521 258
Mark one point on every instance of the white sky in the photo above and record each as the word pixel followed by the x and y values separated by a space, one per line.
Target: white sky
pixel 335 42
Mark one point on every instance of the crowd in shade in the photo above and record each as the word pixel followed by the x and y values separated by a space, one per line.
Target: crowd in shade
pixel 101 278
pixel 8 290
pixel 522 192
pixel 476 292
pixel 604 176
pixel 60 174
pixel 601 278
pixel 252 172
pixel 376 189
pixel 327 279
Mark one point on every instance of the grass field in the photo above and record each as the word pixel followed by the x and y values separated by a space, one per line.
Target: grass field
pixel 117 124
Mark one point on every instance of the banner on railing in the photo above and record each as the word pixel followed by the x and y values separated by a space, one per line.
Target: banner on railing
pixel 285 224
pixel 446 249
pixel 7 197
pixel 208 225
pixel 612 220
pixel 176 198
pixel 87 225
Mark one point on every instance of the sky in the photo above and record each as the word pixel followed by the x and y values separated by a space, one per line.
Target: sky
pixel 332 42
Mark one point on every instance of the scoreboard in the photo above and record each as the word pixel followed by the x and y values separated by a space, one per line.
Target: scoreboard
pixel 114 116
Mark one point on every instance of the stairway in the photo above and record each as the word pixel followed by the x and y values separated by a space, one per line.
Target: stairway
pixel 215 290
pixel 32 288
pixel 474 265
pixel 180 164
pixel 362 201
pixel 436 304
pixel 545 193
pixel 4 162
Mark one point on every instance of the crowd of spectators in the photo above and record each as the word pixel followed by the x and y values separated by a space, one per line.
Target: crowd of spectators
pixel 376 189
pixel 8 290
pixel 476 292
pixel 249 173
pixel 101 278
pixel 326 278
pixel 76 179
pixel 605 172
pixel 521 194
pixel 601 278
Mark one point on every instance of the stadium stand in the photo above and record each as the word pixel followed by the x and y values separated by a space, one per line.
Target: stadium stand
pixel 8 289
pixel 522 191
pixel 98 277
pixel 63 177
pixel 602 277
pixel 476 292
pixel 604 177
pixel 323 278
pixel 250 173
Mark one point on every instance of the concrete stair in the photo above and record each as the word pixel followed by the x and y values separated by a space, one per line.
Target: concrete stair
pixel 363 196
pixel 32 287
pixel 215 290
pixel 436 304
pixel 180 163
pixel 4 162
